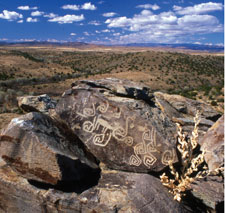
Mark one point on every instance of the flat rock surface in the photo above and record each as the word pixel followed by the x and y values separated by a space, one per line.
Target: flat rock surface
pixel 38 148
pixel 119 124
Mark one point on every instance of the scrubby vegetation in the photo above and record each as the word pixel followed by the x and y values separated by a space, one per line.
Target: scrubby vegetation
pixel 192 76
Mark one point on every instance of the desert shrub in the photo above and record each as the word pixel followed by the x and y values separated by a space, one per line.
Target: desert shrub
pixel 214 103
pixel 191 164
pixel 4 76
pixel 8 100
pixel 220 100
pixel 27 56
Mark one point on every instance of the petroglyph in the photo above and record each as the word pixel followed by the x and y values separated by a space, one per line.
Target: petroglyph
pixel 121 133
pixel 103 107
pixel 102 131
pixel 88 112
pixel 168 155
pixel 102 139
pixel 89 126
pixel 149 160
pixel 145 149
pixel 135 160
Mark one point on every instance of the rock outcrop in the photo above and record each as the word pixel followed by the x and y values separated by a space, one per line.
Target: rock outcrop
pixel 38 148
pixel 187 106
pixel 101 149
pixel 116 192
pixel 41 103
pixel 119 124
pixel 182 110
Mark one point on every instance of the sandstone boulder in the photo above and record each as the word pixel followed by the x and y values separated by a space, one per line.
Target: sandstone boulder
pixel 119 123
pixel 187 106
pixel 39 148
pixel 213 144
pixel 41 103
pixel 183 110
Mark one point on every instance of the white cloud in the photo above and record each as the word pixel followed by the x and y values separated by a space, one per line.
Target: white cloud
pixel 85 6
pixel 110 14
pixel 27 8
pixel 118 22
pixel 4 39
pixel 197 42
pixel 163 27
pixel 198 8
pixel 86 33
pixel 88 6
pixel 56 41
pixel 80 38
pixel 220 44
pixel 26 40
pixel 96 23
pixel 10 15
pixel 116 34
pixel 71 7
pixel 73 34
pixel 20 21
pixel 29 19
pixel 67 19
pixel 149 6
pixel 197 20
pixel 37 13
pixel 50 15
pixel 106 31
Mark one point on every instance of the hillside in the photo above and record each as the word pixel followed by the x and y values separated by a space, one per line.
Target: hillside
pixel 36 70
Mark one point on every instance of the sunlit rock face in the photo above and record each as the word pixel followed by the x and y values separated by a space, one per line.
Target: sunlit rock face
pixel 39 148
pixel 120 124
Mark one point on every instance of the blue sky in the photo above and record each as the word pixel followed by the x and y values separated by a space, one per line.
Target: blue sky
pixel 113 21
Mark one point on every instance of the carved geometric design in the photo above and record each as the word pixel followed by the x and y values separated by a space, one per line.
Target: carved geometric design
pixel 103 107
pixel 167 156
pixel 149 160
pixel 128 140
pixel 102 139
pixel 140 149
pixel 135 160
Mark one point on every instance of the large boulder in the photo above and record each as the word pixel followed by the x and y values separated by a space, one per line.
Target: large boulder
pixel 119 123
pixel 183 110
pixel 39 148
pixel 40 103
pixel 213 144
pixel 116 192
pixel 187 106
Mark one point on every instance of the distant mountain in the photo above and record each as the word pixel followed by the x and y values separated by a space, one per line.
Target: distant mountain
pixel 202 47
pixel 44 43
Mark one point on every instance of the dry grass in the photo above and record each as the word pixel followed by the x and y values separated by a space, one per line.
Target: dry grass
pixel 191 164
